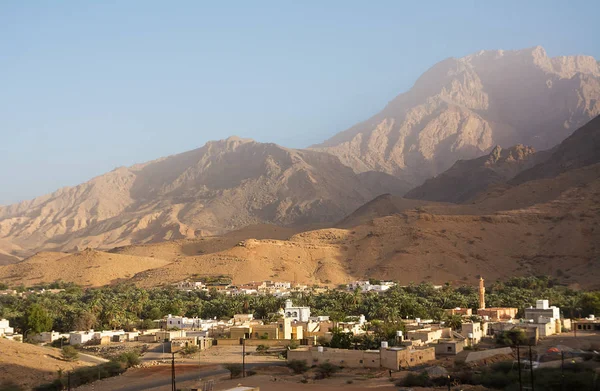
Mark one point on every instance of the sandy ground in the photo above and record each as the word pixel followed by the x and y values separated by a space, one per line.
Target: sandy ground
pixel 30 365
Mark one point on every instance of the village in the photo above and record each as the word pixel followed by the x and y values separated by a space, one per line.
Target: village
pixel 294 335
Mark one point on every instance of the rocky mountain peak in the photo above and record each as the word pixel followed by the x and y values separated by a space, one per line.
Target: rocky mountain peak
pixel 460 108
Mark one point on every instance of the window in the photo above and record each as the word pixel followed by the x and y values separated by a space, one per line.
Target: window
pixel 361 361
pixel 450 348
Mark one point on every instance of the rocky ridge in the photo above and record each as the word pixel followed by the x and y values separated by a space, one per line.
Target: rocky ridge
pixel 461 108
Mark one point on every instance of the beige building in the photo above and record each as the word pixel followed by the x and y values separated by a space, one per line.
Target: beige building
pixel 285 328
pixel 473 331
pixel 390 358
pixel 449 346
pixel 498 313
pixel 460 311
pixel 428 335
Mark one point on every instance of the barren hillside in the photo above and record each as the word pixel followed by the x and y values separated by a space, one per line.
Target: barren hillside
pixel 29 365
pixel 466 178
pixel 559 237
pixel 461 108
pixel 89 268
pixel 222 186
pixel 548 224
pixel 475 179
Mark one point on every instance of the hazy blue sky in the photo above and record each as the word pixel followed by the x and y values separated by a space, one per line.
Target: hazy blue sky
pixel 87 86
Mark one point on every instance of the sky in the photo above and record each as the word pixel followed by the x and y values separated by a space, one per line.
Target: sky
pixel 88 86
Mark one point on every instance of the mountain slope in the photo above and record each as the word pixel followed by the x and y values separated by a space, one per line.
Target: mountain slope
pixel 436 244
pixel 222 186
pixel 466 178
pixel 580 149
pixel 546 224
pixel 461 108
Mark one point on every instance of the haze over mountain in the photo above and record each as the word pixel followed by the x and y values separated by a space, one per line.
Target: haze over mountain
pixel 458 109
pixel 546 220
pixel 461 108
pixel 466 178
pixel 516 165
pixel 222 186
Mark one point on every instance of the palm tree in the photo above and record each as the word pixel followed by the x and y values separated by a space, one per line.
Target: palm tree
pixel 454 322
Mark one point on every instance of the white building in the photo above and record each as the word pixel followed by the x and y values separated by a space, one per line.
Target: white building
pixel 300 314
pixel 5 328
pixel 366 286
pixel 80 337
pixel 542 308
pixel 281 285
pixel 190 285
pixel 48 336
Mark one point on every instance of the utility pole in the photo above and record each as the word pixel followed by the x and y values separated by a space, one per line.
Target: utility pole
pixel 531 368
pixel 69 381
pixel 173 386
pixel 562 370
pixel 244 356
pixel 519 363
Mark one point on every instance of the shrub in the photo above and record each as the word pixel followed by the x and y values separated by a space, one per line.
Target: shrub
pixel 262 348
pixel 129 359
pixel 298 366
pixel 84 375
pixel 189 350
pixel 59 343
pixel 250 373
pixel 293 345
pixel 69 353
pixel 503 366
pixel 326 369
pixel 235 370
pixel 415 380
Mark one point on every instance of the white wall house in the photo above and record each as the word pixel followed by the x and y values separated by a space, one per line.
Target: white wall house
pixel 542 309
pixel 5 328
pixel 80 337
pixel 300 314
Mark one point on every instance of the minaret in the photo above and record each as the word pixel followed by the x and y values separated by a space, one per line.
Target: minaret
pixel 481 294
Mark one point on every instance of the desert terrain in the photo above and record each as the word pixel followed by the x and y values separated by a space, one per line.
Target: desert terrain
pixel 29 365
pixel 547 226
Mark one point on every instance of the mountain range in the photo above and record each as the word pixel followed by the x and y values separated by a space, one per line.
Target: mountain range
pixel 492 109
pixel 462 108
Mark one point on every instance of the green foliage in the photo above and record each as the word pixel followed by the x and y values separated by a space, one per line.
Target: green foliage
pixel 59 343
pixel 147 324
pixel 262 348
pixel 38 319
pixel 189 350
pixel 83 376
pixel 69 353
pixel 512 337
pixel 123 306
pixel 235 370
pixel 454 321
pixel 129 359
pixel 326 369
pixel 298 366
pixel 341 340
pixel 293 345
pixel 415 380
